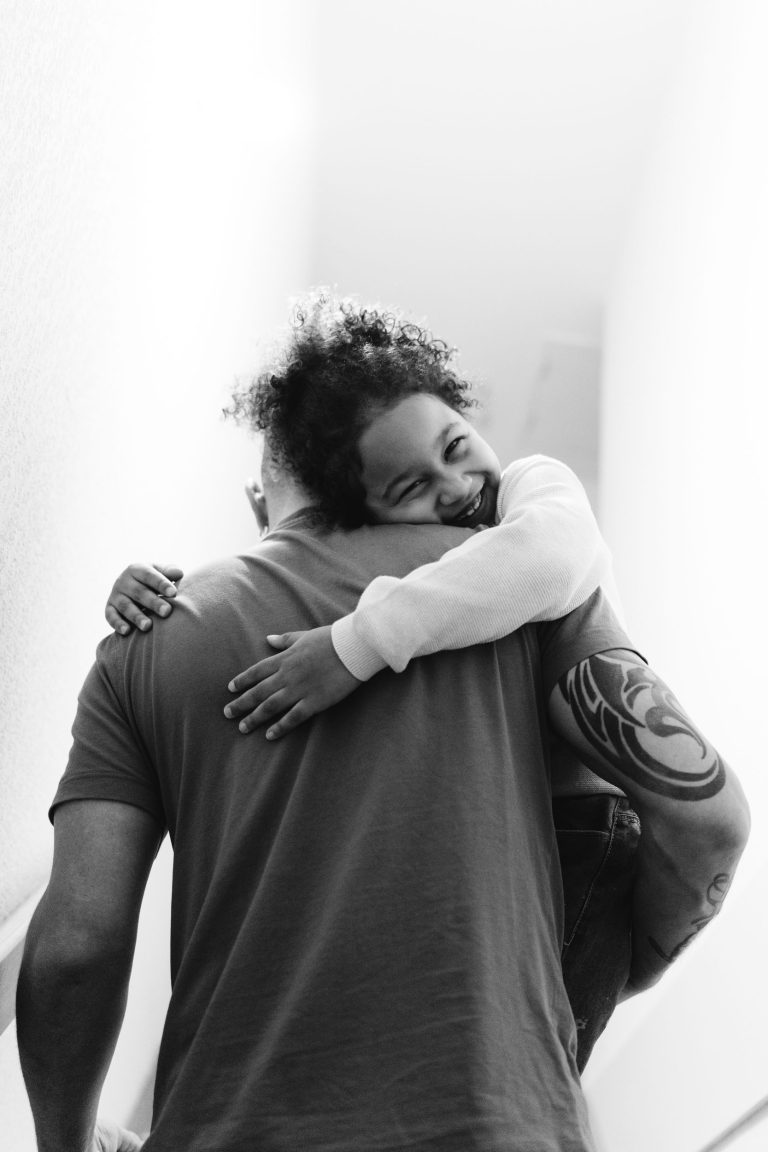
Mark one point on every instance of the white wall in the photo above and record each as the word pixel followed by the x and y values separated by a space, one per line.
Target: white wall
pixel 475 161
pixel 155 184
pixel 685 504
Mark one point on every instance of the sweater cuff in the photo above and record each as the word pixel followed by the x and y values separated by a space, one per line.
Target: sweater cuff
pixel 356 654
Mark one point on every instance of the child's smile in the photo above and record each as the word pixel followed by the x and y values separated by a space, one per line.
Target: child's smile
pixel 423 463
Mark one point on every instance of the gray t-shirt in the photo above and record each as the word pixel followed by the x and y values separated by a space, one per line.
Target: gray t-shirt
pixel 367 913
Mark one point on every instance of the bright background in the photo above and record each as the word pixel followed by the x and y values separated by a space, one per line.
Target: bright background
pixel 573 194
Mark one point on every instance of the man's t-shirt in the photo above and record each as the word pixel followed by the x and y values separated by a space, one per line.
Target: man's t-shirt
pixel 367 913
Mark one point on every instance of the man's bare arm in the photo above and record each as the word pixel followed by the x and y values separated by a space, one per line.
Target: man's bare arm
pixel 77 961
pixel 623 721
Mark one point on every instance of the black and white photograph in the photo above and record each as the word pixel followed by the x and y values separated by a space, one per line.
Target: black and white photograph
pixel 382 488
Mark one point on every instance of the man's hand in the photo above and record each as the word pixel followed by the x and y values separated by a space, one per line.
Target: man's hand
pixel 110 1137
pixel 305 677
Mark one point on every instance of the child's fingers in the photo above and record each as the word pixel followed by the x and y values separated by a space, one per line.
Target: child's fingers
pixel 174 573
pixel 254 698
pixel 255 674
pixel 285 640
pixel 156 577
pixel 140 594
pixel 116 621
pixel 122 608
pixel 280 701
pixel 139 590
pixel 297 715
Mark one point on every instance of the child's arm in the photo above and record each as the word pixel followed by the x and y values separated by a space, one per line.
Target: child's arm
pixel 141 586
pixel 544 558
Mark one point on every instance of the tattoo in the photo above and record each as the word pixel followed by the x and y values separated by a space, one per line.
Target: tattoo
pixel 716 893
pixel 616 702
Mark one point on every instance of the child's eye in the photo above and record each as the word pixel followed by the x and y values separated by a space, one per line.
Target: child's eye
pixel 451 448
pixel 410 490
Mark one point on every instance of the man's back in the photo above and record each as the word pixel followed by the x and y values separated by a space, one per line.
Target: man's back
pixel 366 915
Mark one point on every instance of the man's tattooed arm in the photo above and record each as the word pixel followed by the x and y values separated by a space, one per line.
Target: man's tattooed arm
pixel 716 893
pixel 629 717
pixel 623 721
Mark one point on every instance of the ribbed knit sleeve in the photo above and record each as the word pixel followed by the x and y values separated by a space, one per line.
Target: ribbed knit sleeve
pixel 543 558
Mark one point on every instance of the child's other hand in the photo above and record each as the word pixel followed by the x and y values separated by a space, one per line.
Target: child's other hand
pixel 258 504
pixel 141 586
pixel 110 1137
pixel 303 678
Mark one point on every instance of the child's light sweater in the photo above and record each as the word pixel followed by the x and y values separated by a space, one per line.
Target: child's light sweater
pixel 542 559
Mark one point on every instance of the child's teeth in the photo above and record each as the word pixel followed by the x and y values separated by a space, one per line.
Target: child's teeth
pixel 473 506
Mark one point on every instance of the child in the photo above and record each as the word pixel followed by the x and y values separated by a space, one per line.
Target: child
pixel 367 412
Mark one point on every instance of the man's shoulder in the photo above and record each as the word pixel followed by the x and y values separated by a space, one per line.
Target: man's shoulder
pixel 208 597
pixel 215 622
pixel 218 573
pixel 382 549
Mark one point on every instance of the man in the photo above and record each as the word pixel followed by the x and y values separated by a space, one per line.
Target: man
pixel 367 915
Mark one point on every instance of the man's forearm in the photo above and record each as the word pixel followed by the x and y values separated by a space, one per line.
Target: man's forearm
pixel 69 1012
pixel 625 723
pixel 681 883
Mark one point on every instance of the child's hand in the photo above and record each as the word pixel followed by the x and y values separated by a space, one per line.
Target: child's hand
pixel 258 504
pixel 110 1137
pixel 135 588
pixel 304 678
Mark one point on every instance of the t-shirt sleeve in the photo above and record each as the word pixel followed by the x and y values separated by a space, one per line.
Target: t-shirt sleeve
pixel 543 558
pixel 107 760
pixel 587 630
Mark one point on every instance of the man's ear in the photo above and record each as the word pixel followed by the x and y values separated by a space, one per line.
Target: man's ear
pixel 258 503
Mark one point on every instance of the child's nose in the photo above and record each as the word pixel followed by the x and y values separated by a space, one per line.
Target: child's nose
pixel 453 489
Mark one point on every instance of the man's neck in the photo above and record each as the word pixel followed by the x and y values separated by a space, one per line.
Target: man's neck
pixel 285 501
pixel 283 494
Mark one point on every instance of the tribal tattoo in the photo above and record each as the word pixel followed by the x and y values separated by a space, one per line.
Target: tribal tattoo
pixel 716 893
pixel 616 703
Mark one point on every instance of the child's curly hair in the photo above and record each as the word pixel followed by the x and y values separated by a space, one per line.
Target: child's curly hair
pixel 341 365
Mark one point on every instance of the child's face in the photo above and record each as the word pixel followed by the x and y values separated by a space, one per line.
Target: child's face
pixel 423 463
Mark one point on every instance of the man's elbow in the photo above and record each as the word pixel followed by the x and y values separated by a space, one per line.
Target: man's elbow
pixel 720 827
pixel 730 814
pixel 711 832
pixel 735 821
pixel 62 949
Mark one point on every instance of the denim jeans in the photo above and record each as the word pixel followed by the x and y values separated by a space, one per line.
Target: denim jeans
pixel 597 837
